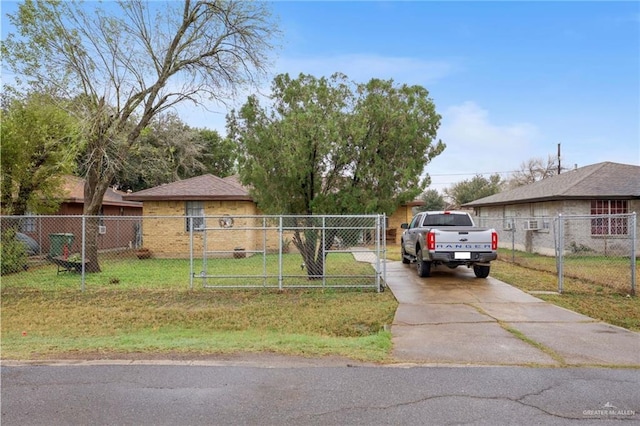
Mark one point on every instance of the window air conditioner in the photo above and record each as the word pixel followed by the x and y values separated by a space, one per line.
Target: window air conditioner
pixel 531 225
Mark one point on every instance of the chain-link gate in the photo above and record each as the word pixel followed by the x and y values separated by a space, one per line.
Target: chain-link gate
pixel 288 251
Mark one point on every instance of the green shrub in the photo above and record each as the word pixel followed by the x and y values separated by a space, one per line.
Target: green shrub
pixel 13 254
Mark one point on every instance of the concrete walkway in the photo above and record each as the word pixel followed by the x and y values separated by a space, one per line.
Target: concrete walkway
pixel 454 318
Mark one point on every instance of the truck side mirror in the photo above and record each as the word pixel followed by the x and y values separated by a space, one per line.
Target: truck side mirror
pixel 404 226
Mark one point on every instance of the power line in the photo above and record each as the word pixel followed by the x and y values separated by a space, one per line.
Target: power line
pixel 471 174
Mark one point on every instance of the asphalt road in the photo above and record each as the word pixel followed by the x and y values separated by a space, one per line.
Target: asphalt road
pixel 335 395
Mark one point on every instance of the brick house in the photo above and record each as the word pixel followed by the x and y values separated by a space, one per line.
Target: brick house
pixel 598 189
pixel 166 208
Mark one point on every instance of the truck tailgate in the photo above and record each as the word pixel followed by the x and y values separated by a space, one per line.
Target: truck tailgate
pixel 463 238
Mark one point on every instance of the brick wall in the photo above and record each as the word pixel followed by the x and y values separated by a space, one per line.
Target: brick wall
pixel 404 214
pixel 168 236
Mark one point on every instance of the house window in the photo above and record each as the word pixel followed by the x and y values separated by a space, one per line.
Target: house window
pixel 28 223
pixel 195 215
pixel 609 225
pixel 541 214
pixel 540 210
pixel 509 217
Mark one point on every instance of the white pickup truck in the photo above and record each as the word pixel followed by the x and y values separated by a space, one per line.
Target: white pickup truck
pixel 448 238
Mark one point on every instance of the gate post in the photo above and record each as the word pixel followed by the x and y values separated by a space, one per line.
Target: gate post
pixel 324 255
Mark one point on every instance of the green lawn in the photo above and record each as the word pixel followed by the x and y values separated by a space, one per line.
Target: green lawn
pixel 146 306
pixel 128 272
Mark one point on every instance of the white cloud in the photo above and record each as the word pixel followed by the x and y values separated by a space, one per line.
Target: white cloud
pixel 476 145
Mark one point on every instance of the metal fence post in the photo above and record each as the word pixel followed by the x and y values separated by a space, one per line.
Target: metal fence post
pixel 513 240
pixel 84 232
pixel 280 260
pixel 190 219
pixel 384 259
pixel 634 241
pixel 560 266
pixel 379 224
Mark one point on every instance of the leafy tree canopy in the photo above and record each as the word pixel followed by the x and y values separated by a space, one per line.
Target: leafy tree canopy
pixel 219 155
pixel 330 146
pixel 169 150
pixel 474 189
pixel 39 143
pixel 433 201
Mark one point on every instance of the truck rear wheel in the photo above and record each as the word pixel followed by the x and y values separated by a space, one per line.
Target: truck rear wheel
pixel 481 271
pixel 424 268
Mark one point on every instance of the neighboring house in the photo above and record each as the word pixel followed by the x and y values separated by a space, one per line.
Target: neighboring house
pixel 113 203
pixel 404 214
pixel 221 198
pixel 599 189
pixel 114 233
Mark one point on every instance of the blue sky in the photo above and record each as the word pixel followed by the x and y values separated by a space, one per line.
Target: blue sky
pixel 510 79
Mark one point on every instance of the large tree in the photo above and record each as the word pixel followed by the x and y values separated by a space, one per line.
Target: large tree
pixel 473 189
pixel 127 61
pixel 39 144
pixel 167 150
pixel 329 146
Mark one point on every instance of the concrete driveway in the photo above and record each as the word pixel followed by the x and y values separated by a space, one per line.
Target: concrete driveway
pixel 454 318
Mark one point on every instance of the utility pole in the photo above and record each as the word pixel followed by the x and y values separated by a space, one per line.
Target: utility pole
pixel 559 167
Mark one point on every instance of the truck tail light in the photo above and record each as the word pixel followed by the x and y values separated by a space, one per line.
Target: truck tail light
pixel 431 240
pixel 494 241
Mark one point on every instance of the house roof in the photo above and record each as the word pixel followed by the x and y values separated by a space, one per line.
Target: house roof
pixel 205 187
pixel 597 181
pixel 234 180
pixel 73 192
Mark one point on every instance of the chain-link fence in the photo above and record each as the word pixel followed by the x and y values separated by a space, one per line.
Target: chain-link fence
pixel 188 251
pixel 599 249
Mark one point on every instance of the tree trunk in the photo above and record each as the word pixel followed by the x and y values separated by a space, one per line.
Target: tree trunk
pixel 94 189
pixel 314 250
pixel 7 192
pixel 20 204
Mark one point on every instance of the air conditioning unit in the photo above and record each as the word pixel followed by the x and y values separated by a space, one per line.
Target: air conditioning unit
pixel 102 229
pixel 508 226
pixel 531 225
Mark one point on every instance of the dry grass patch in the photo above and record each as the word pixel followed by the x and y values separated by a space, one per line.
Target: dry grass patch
pixel 39 323
pixel 596 301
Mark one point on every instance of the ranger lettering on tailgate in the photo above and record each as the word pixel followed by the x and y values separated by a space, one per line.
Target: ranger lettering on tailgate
pixel 448 238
